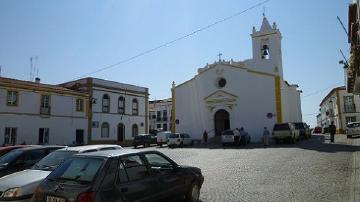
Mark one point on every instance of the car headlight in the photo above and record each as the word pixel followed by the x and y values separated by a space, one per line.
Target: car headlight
pixel 13 192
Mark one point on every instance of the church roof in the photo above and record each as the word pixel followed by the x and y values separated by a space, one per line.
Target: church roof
pixel 265 26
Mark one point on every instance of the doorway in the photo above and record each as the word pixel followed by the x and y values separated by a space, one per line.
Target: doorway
pixel 79 137
pixel 121 132
pixel 221 121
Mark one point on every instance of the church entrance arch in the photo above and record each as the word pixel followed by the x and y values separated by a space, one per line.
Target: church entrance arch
pixel 222 121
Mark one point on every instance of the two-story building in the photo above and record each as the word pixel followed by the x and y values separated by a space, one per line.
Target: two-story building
pixel 118 111
pixel 36 113
pixel 160 114
pixel 339 107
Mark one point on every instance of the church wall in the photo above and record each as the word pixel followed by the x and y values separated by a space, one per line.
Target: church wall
pixel 291 104
pixel 255 98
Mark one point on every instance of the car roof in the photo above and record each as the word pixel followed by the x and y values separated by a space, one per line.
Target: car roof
pixel 40 147
pixel 15 147
pixel 113 153
pixel 84 148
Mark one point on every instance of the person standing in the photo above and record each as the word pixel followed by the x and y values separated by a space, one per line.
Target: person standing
pixel 205 137
pixel 266 135
pixel 236 136
pixel 332 130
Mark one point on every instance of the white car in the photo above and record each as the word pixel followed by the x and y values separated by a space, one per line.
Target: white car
pixel 353 129
pixel 179 139
pixel 285 131
pixel 227 137
pixel 162 137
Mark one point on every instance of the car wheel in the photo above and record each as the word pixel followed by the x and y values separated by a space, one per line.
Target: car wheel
pixel 193 194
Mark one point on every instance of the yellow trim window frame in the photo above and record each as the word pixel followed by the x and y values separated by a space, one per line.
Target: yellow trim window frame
pixel 79 105
pixel 12 98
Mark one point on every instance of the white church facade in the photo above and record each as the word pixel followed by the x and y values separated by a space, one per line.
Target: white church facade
pixel 228 94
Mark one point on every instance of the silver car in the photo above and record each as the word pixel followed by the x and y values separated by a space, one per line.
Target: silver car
pixel 20 186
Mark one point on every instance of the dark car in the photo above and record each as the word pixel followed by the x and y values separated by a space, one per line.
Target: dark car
pixel 144 140
pixel 317 129
pixel 5 150
pixel 120 175
pixel 23 158
pixel 303 128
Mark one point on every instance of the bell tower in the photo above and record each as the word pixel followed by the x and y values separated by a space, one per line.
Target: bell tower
pixel 266 45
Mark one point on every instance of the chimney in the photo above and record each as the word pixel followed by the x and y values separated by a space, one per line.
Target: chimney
pixel 37 80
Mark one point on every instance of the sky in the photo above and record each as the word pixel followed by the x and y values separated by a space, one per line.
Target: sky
pixel 74 38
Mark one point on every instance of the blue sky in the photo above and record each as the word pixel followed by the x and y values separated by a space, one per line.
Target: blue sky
pixel 73 38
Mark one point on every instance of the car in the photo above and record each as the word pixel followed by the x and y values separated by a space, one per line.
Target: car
pixel 285 131
pixel 120 175
pixel 317 129
pixel 303 128
pixel 23 158
pixel 162 137
pixel 179 139
pixel 6 149
pixel 227 137
pixel 353 129
pixel 144 140
pixel 22 185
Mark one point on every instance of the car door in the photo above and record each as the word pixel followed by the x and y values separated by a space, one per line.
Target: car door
pixel 171 182
pixel 108 190
pixel 134 181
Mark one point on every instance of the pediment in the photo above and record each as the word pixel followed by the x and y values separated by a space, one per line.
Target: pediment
pixel 220 98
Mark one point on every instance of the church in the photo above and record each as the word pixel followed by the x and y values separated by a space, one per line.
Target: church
pixel 232 94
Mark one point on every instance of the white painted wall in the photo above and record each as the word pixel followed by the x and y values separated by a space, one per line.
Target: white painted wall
pixel 255 99
pixel 62 123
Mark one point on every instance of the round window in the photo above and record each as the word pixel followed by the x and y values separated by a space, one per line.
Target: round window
pixel 221 82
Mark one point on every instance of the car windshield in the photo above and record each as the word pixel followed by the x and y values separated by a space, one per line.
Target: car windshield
pixel 353 125
pixel 228 132
pixel 77 170
pixel 174 136
pixel 299 125
pixel 139 137
pixel 281 127
pixel 51 161
pixel 10 157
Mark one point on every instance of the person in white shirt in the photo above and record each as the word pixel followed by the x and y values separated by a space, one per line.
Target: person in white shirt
pixel 236 136
pixel 266 135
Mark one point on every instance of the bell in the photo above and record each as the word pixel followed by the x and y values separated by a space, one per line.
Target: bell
pixel 265 52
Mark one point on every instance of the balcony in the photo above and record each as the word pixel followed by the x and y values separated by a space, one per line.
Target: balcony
pixel 45 110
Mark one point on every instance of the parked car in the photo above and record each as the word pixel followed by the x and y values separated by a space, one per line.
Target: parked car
pixel 23 184
pixel 285 131
pixel 162 137
pixel 144 139
pixel 353 129
pixel 227 137
pixel 179 139
pixel 5 150
pixel 317 129
pixel 23 158
pixel 120 175
pixel 303 128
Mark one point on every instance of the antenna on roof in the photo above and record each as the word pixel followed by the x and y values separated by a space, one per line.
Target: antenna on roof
pixel 264 8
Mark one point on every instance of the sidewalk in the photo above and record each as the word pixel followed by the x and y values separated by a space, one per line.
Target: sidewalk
pixel 355 172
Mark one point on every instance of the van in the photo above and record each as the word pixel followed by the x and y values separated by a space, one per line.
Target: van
pixel 162 137
pixel 285 131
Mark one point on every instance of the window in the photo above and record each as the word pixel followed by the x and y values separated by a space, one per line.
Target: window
pixel 106 103
pixel 350 119
pixel 158 116
pixel 135 130
pixel 135 167
pixel 43 135
pixel 165 115
pixel 45 101
pixel 10 136
pixel 79 105
pixel 135 107
pixel 156 160
pixel 12 98
pixel 122 177
pixel 121 105
pixel 105 130
pixel 108 181
pixel 164 127
pixel 158 126
pixel 221 82
pixel 349 105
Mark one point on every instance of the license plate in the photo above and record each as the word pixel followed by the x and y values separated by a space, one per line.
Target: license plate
pixel 54 199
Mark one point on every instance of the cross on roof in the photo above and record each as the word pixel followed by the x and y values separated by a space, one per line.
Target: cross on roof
pixel 220 54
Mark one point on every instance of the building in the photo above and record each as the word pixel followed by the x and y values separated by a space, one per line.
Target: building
pixel 340 107
pixel 36 113
pixel 118 111
pixel 228 94
pixel 160 114
pixel 353 68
